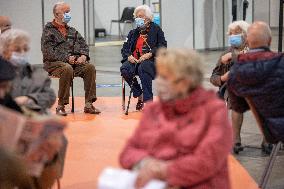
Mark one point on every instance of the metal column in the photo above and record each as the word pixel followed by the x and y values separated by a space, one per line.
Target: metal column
pixel 280 37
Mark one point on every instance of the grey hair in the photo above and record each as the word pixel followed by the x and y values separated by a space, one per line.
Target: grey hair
pixel 56 5
pixel 263 32
pixel 12 36
pixel 184 63
pixel 243 25
pixel 146 9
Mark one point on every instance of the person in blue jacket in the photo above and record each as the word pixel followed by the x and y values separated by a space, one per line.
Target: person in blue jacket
pixel 140 48
pixel 259 75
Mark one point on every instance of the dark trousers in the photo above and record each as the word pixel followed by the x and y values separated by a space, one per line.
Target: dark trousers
pixel 65 71
pixel 146 73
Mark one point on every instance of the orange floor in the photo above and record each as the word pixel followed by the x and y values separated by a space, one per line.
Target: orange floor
pixel 96 140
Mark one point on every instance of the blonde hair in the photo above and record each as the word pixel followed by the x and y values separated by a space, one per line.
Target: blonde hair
pixel 243 25
pixel 10 37
pixel 146 9
pixel 184 63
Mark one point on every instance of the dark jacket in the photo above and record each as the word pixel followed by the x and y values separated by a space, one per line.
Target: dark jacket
pixel 219 70
pixel 56 47
pixel 260 75
pixel 34 82
pixel 156 39
pixel 234 102
pixel 10 103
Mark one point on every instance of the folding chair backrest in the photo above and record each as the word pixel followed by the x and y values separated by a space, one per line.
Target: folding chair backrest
pixel 127 14
pixel 265 130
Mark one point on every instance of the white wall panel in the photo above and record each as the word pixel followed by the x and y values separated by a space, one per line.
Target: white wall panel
pixel 274 13
pixel 261 10
pixel 177 22
pixel 227 18
pixel 208 24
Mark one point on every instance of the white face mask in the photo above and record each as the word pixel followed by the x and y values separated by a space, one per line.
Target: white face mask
pixel 18 59
pixel 164 89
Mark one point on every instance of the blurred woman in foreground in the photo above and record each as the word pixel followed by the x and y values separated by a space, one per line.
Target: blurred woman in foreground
pixel 185 137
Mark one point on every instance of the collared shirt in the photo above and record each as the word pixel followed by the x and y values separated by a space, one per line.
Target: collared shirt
pixel 259 49
pixel 61 28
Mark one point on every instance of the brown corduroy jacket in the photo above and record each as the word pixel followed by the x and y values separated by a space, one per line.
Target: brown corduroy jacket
pixel 56 47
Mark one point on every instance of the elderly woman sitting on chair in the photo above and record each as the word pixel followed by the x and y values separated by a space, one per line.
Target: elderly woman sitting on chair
pixel 185 137
pixel 140 48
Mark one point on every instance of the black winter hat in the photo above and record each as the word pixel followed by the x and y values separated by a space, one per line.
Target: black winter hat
pixel 7 70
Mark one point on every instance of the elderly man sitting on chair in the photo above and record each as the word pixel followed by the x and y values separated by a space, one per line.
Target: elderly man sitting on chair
pixel 65 53
pixel 140 48
pixel 259 74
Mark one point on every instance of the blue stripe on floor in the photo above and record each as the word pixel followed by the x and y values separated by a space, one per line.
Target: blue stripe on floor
pixel 108 85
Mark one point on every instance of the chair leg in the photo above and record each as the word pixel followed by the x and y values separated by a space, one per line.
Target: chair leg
pixel 72 93
pixel 128 103
pixel 269 166
pixel 123 94
pixel 123 31
pixel 110 28
pixel 130 94
pixel 119 30
pixel 58 183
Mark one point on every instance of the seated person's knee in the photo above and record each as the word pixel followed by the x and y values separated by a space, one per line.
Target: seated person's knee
pixel 90 67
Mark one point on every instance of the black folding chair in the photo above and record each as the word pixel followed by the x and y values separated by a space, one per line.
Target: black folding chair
pixel 126 108
pixel 126 18
pixel 270 139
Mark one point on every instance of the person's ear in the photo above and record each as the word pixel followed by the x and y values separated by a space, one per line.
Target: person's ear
pixel 270 40
pixel 57 15
pixel 7 53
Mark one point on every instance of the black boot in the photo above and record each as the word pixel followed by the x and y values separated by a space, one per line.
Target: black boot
pixel 139 105
pixel 238 148
pixel 266 147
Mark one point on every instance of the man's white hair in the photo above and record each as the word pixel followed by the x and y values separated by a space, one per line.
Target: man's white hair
pixel 243 25
pixel 146 9
pixel 12 36
pixel 56 5
pixel 260 33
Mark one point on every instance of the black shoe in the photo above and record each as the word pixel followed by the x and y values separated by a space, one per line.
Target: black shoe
pixel 60 110
pixel 139 105
pixel 238 148
pixel 266 148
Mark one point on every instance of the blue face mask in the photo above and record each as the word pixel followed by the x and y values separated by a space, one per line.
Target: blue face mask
pixel 236 40
pixel 67 17
pixel 18 59
pixel 140 23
